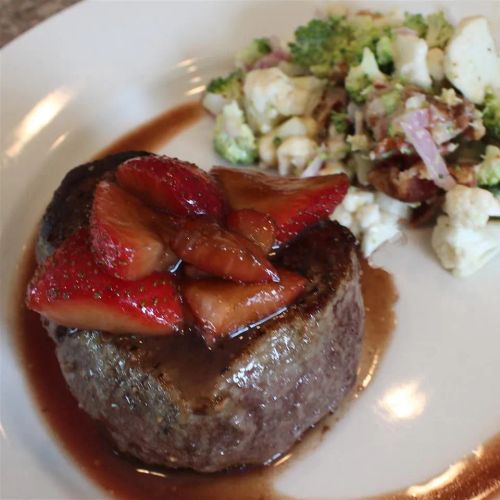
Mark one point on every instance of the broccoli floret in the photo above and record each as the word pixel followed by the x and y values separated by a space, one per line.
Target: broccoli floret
pixel 439 30
pixel 324 43
pixel 233 138
pixel 319 44
pixel 384 51
pixel 230 87
pixel 417 23
pixel 340 121
pixel 360 78
pixel 488 172
pixel 391 100
pixel 253 52
pixel 491 114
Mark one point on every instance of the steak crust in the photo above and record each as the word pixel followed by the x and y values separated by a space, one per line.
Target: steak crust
pixel 171 401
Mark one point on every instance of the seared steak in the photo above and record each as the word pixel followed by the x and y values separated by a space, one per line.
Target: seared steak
pixel 171 401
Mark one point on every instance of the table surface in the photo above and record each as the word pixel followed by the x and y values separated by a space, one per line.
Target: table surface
pixel 19 16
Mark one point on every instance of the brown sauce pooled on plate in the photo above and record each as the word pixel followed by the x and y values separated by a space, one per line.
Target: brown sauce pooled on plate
pixel 86 441
pixel 155 133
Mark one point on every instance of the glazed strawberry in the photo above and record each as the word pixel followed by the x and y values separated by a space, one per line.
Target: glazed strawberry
pixel 292 203
pixel 214 250
pixel 177 186
pixel 255 226
pixel 221 308
pixel 72 290
pixel 128 238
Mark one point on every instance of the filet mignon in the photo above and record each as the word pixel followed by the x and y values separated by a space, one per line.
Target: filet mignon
pixel 171 401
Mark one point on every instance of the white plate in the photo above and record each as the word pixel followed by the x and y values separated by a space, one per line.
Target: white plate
pixel 80 80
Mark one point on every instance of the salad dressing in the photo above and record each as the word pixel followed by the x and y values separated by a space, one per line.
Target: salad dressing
pixel 87 442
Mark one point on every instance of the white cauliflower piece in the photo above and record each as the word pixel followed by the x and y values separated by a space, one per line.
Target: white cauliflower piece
pixel 331 167
pixel 296 126
pixel 270 95
pixel 294 153
pixel 371 218
pixel 435 64
pixel 470 207
pixel 410 59
pixel 267 150
pixel 464 250
pixel 464 240
pixel 471 62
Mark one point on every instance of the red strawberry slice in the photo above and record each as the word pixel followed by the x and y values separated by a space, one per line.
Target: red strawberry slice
pixel 221 308
pixel 128 239
pixel 72 290
pixel 255 226
pixel 214 250
pixel 292 203
pixel 170 184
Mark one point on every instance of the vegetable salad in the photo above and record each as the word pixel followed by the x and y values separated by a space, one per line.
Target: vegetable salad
pixel 408 106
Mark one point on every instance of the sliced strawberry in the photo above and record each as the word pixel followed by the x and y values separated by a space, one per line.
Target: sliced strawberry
pixel 292 203
pixel 214 250
pixel 177 186
pixel 72 290
pixel 221 308
pixel 255 226
pixel 128 239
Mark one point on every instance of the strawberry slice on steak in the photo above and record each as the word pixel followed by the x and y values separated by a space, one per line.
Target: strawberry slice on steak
pixel 221 308
pixel 292 203
pixel 72 290
pixel 129 239
pixel 179 187
pixel 219 252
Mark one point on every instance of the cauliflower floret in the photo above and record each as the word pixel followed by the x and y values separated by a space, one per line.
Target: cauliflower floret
pixel 488 172
pixel 470 207
pixel 271 95
pixel 435 64
pixel 410 59
pixel 296 126
pixel 294 153
pixel 233 138
pixel 464 240
pixel 371 218
pixel 464 250
pixel 362 76
pixel 471 62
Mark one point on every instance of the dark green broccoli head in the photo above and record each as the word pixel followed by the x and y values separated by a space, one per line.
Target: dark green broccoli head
pixel 340 121
pixel 416 22
pixel 230 86
pixel 324 43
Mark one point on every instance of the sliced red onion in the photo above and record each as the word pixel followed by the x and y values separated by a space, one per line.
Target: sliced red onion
pixel 413 125
pixel 404 30
pixel 272 59
pixel 314 166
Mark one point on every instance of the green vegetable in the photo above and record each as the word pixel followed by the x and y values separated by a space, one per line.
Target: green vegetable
pixel 439 30
pixel 230 87
pixel 391 100
pixel 488 172
pixel 360 78
pixel 491 114
pixel 384 51
pixel 253 51
pixel 323 44
pixel 233 138
pixel 340 121
pixel 416 22
pixel 277 140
